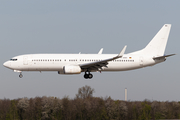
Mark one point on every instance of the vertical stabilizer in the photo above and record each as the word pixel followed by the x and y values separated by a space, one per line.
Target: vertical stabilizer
pixel 157 45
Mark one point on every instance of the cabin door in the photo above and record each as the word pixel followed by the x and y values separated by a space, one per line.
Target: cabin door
pixel 141 61
pixel 25 60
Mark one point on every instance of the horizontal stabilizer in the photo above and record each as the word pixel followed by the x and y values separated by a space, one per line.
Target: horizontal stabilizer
pixel 159 57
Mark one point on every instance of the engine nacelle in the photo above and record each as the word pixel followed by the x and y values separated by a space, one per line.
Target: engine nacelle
pixel 70 70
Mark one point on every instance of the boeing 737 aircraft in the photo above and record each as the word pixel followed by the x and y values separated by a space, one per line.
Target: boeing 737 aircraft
pixel 68 64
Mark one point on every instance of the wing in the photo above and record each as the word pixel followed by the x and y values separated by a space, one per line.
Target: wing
pixel 99 64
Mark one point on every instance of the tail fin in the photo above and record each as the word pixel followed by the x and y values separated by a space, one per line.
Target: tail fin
pixel 157 45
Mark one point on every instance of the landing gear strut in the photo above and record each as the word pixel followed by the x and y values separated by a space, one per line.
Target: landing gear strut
pixel 88 75
pixel 20 75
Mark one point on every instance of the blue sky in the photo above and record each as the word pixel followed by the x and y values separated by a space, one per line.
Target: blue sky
pixel 86 26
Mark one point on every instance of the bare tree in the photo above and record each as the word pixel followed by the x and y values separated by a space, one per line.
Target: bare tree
pixel 85 92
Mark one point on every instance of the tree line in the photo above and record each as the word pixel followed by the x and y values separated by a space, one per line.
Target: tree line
pixel 86 107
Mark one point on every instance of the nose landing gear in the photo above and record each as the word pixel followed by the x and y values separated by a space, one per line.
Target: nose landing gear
pixel 20 75
pixel 88 75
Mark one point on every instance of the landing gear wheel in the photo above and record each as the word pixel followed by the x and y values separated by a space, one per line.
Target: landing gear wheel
pixel 88 75
pixel 20 75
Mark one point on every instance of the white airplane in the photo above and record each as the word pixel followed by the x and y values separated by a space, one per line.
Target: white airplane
pixel 152 54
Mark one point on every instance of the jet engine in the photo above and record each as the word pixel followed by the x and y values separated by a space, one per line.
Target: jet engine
pixel 70 70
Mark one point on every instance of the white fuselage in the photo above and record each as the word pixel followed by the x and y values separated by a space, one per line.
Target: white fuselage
pixel 56 62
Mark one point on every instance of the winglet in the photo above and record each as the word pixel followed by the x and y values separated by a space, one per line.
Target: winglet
pixel 101 50
pixel 122 52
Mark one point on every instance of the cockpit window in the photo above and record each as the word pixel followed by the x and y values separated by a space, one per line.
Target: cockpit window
pixel 13 59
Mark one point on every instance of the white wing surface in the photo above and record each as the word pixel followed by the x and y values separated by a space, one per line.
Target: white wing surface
pixel 102 63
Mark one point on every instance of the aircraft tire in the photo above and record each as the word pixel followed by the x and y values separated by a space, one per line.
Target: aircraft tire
pixel 90 76
pixel 86 76
pixel 20 75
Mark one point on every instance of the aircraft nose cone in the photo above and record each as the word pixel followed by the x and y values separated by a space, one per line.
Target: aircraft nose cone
pixel 6 64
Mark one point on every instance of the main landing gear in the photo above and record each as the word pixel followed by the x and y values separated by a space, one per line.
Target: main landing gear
pixel 20 75
pixel 88 75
